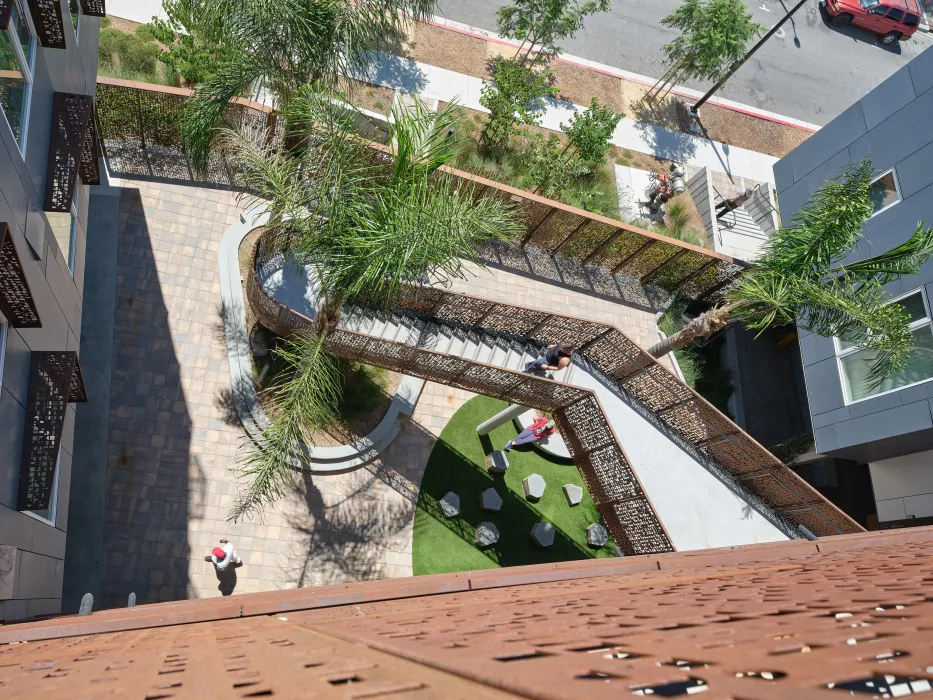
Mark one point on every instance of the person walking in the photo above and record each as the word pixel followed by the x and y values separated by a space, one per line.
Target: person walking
pixel 556 357
pixel 223 556
pixel 540 429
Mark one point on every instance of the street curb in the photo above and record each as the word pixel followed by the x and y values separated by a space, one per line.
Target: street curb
pixel 569 59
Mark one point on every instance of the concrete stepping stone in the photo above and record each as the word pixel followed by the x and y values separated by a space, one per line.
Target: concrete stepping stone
pixel 533 485
pixel 543 534
pixel 497 462
pixel 450 504
pixel 490 499
pixel 486 535
pixel 574 494
pixel 596 535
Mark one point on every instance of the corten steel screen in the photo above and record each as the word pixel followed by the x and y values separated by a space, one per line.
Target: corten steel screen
pixel 141 137
pixel 843 617
pixel 70 116
pixel 16 301
pixel 47 19
pixel 50 379
pixel 699 425
pixel 602 462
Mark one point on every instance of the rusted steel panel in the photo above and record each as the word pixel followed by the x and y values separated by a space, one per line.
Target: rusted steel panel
pixel 47 19
pixel 89 169
pixel 6 11
pixel 16 302
pixel 70 116
pixel 94 8
pixel 141 135
pixel 50 379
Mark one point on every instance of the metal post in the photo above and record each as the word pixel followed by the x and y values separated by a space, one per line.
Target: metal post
pixel 738 64
pixel 803 530
pixel 501 418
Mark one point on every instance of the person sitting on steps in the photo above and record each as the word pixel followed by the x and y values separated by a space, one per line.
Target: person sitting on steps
pixel 556 356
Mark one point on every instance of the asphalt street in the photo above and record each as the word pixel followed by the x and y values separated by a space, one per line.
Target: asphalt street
pixel 808 70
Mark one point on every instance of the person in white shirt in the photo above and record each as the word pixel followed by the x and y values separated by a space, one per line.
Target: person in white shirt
pixel 223 556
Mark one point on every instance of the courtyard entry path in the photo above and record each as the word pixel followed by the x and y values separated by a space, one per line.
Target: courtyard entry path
pixel 174 434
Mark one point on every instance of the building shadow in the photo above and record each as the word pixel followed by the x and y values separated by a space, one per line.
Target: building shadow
pixel 154 483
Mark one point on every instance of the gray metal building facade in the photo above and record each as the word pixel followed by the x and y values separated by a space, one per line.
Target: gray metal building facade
pixel 32 548
pixel 892 126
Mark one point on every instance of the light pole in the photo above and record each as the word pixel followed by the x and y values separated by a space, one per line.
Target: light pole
pixel 694 109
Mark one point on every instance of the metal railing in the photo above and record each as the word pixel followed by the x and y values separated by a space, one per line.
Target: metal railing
pixel 140 135
pixel 594 446
pixel 638 375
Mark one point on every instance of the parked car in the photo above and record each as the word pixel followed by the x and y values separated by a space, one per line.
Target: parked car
pixel 892 20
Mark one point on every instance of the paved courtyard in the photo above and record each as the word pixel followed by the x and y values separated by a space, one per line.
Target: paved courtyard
pixel 174 435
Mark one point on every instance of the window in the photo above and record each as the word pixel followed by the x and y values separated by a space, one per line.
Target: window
pixel 47 515
pixel 75 15
pixel 855 363
pixel 17 57
pixel 896 15
pixel 885 192
pixel 879 10
pixel 65 228
pixel 911 21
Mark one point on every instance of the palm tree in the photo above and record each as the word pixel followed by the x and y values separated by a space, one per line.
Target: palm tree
pixel 367 223
pixel 283 45
pixel 803 278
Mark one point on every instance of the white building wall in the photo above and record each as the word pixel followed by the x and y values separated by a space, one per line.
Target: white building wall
pixel 903 486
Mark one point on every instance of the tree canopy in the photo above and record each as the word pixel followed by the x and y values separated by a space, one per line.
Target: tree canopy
pixel 714 34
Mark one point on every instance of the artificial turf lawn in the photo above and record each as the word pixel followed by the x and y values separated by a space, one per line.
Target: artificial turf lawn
pixel 458 464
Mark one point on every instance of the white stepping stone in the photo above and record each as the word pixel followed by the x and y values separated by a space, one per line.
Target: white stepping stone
pixel 497 462
pixel 533 485
pixel 596 535
pixel 486 535
pixel 543 534
pixel 450 504
pixel 490 499
pixel 574 494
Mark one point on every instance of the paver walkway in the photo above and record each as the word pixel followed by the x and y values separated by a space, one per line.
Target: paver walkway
pixel 174 434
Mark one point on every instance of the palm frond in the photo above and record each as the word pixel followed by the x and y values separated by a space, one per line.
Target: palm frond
pixel 206 109
pixel 307 399
pixel 905 259
pixel 826 229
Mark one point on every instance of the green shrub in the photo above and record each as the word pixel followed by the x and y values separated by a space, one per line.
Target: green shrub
pixel 133 56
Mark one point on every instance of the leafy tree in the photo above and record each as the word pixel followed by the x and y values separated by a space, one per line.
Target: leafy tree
pixel 512 99
pixel 550 169
pixel 804 278
pixel 714 34
pixel 366 225
pixel 193 46
pixel 283 45
pixel 540 24
pixel 590 132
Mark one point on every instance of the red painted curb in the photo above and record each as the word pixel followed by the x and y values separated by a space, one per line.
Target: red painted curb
pixel 631 80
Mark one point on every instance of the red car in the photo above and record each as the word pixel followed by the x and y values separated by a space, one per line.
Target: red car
pixel 892 19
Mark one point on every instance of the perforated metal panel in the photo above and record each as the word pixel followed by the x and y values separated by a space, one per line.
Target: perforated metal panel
pixel 94 8
pixel 70 115
pixel 16 300
pixel 6 10
pixel 90 167
pixel 50 381
pixel 843 617
pixel 47 18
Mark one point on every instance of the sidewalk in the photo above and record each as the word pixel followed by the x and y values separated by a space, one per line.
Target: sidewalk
pixel 436 83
